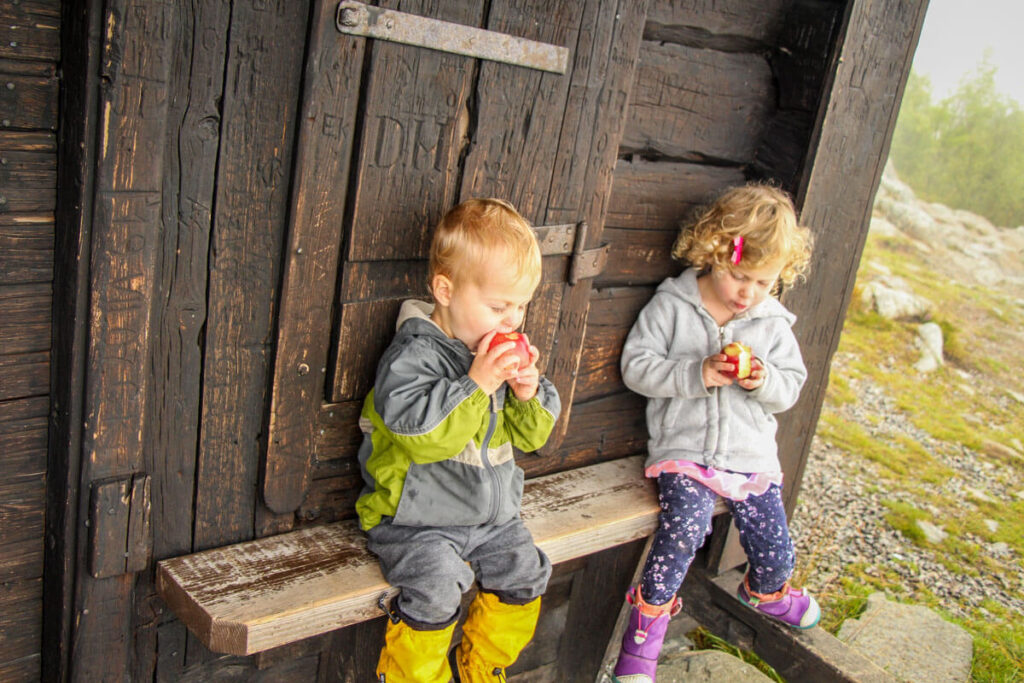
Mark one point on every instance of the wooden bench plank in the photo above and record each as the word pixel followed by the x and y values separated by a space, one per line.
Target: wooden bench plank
pixel 260 594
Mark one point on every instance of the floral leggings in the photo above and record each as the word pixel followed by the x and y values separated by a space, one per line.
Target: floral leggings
pixel 684 521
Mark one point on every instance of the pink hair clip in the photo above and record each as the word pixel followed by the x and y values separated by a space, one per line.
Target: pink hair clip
pixel 737 249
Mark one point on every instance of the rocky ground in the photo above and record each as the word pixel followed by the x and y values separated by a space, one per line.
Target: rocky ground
pixel 840 522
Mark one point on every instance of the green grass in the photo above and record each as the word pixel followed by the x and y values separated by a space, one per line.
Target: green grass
pixel 998 646
pixel 903 518
pixel 706 640
pixel 897 455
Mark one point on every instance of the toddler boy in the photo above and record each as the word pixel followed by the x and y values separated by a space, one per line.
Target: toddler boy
pixel 441 501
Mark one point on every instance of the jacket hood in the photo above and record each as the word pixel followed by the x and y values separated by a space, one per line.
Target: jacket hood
pixel 414 321
pixel 685 287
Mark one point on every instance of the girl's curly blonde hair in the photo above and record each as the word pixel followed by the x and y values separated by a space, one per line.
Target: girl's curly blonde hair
pixel 766 219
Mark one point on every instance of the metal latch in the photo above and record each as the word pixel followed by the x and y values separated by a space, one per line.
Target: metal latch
pixel 586 263
pixel 358 19
pixel 569 238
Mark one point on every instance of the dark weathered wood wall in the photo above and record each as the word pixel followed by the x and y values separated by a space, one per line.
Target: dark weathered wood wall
pixel 182 148
pixel 29 54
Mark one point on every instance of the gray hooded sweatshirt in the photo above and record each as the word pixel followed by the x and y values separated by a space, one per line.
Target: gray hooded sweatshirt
pixel 725 427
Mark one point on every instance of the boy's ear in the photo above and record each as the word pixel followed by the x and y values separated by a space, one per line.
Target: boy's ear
pixel 441 288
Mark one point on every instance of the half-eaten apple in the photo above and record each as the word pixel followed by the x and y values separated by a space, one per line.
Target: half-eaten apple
pixel 740 356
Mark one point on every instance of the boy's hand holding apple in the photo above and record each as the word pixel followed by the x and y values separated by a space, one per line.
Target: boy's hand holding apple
pixel 507 357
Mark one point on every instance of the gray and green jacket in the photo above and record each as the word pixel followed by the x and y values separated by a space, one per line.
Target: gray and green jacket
pixel 437 450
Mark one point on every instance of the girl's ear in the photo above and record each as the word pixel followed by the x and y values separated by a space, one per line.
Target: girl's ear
pixel 441 288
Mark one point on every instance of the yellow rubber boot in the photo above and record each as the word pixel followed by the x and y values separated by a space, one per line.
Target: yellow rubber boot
pixel 411 656
pixel 493 636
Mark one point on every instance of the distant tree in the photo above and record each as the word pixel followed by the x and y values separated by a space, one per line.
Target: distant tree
pixel 966 151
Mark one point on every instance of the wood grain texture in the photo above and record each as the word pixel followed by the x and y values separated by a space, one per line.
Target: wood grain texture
pixel 197 48
pixel 30 30
pixel 20 624
pixel 264 65
pixel 757 22
pixel 603 428
pixel 28 102
pixel 326 136
pixel 21 499
pixel 692 104
pixel 24 375
pixel 127 209
pixel 854 131
pixel 658 195
pixel 642 257
pixel 28 172
pixel 414 132
pixel 26 241
pixel 519 113
pixel 612 312
pixel 25 318
pixel 265 593
pixel 78 144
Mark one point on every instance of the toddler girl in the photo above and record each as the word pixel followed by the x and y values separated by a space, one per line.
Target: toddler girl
pixel 711 434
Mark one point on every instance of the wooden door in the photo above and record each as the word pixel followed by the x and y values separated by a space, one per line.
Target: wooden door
pixel 394 135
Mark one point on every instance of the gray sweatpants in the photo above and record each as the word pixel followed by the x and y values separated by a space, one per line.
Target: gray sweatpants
pixel 434 566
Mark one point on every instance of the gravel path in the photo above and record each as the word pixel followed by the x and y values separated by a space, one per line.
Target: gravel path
pixel 840 518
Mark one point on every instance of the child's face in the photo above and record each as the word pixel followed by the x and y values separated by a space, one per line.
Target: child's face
pixel 494 300
pixel 737 288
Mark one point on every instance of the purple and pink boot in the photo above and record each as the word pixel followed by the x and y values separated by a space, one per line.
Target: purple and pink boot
pixel 793 607
pixel 641 643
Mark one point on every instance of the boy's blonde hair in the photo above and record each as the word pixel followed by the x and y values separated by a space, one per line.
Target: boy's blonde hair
pixel 766 219
pixel 477 229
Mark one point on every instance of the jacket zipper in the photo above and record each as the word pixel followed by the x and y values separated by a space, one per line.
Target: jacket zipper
pixel 491 425
pixel 720 399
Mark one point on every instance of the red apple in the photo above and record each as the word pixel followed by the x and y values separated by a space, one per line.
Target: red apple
pixel 521 348
pixel 740 356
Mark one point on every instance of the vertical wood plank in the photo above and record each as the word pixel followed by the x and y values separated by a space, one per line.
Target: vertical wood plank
pixel 326 132
pixel 605 61
pixel 264 70
pixel 108 527
pixel 597 596
pixel 81 40
pixel 198 52
pixel 126 223
pixel 844 167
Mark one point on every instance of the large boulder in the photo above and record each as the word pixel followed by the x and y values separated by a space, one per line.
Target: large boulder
pixel 911 642
pixel 893 303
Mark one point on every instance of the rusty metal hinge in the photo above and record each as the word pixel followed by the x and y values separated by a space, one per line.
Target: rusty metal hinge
pixel 358 19
pixel 586 263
